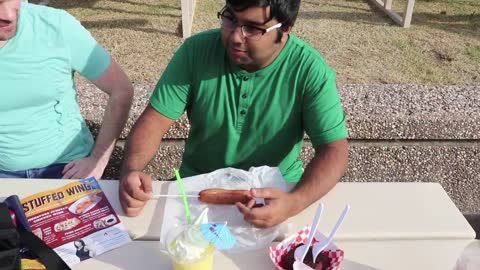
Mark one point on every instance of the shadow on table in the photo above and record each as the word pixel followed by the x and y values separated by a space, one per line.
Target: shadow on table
pixel 347 265
pixel 135 255
pixel 159 213
pixel 245 261
pixel 153 229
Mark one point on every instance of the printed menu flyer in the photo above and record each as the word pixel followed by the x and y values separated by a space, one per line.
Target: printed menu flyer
pixel 75 220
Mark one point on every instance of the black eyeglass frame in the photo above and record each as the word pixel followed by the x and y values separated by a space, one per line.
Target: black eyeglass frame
pixel 221 16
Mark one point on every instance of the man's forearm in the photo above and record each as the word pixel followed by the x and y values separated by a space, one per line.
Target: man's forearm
pixel 321 175
pixel 116 84
pixel 114 119
pixel 139 150
pixel 144 140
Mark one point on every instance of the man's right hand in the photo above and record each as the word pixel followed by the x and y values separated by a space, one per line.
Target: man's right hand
pixel 135 191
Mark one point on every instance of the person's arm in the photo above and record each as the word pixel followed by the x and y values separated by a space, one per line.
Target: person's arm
pixel 321 175
pixel 168 102
pixel 142 144
pixel 116 84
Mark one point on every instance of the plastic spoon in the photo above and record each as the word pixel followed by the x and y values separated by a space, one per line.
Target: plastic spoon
pixel 301 251
pixel 320 246
pixel 300 266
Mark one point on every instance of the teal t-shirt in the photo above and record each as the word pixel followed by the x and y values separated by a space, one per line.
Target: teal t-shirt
pixel 241 119
pixel 40 120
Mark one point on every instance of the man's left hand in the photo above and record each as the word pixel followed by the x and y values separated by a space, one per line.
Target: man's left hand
pixel 84 168
pixel 278 207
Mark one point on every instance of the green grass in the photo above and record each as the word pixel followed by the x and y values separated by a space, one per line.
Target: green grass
pixel 360 42
pixel 474 52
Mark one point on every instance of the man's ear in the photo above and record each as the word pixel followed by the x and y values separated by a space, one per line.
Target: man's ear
pixel 286 29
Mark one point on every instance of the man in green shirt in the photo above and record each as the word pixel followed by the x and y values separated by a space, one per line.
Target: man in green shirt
pixel 42 132
pixel 250 89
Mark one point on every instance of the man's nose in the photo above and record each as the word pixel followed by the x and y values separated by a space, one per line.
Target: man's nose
pixel 7 14
pixel 237 35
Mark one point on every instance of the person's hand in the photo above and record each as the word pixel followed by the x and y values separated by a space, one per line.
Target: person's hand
pixel 84 168
pixel 135 191
pixel 278 207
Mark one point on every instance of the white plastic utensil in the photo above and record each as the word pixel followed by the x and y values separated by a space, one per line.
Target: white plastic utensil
pixel 300 266
pixel 320 246
pixel 301 251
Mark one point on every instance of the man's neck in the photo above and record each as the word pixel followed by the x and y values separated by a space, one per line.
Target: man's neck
pixel 2 43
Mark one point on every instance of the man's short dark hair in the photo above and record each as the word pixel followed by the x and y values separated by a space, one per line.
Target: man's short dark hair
pixel 284 11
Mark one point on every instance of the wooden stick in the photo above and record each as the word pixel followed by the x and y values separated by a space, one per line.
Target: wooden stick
pixel 156 196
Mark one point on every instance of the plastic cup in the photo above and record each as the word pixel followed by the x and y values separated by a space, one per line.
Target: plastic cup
pixel 203 262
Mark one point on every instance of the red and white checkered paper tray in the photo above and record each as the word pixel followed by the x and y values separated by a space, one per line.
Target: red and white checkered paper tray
pixel 280 250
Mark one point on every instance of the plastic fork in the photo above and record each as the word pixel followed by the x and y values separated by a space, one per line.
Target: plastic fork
pixel 301 251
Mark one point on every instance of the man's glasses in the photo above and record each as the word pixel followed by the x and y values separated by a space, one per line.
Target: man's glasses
pixel 248 31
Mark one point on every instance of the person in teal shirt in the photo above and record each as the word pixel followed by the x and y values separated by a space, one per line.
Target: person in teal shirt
pixel 251 90
pixel 42 133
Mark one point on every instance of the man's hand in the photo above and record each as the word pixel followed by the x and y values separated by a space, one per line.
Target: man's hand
pixel 135 191
pixel 84 168
pixel 278 207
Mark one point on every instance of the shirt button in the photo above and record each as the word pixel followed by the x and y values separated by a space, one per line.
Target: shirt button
pixel 243 112
pixel 244 96
pixel 246 78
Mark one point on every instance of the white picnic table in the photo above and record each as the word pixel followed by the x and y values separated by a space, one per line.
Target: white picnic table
pixel 394 226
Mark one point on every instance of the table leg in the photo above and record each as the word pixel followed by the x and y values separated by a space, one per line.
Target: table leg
pixel 188 9
pixel 387 4
pixel 407 17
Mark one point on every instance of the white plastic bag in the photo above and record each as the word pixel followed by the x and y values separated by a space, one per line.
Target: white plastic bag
pixel 470 258
pixel 248 237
